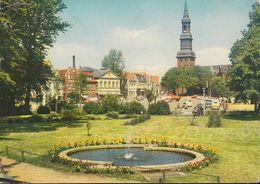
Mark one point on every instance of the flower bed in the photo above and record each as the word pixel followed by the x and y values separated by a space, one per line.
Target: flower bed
pixel 87 167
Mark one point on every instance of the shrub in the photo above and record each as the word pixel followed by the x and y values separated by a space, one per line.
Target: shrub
pixel 54 116
pixel 43 110
pixel 93 108
pixel 90 107
pixel 133 108
pixel 72 114
pixel 214 120
pixel 110 103
pixel 128 116
pixel 114 115
pixel 159 108
pixel 138 119
pixel 35 118
pixel 22 110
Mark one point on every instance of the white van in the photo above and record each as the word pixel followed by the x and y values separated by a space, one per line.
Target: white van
pixel 215 105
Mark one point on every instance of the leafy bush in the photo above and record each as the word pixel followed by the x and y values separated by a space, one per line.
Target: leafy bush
pixel 138 119
pixel 128 116
pixel 110 103
pixel 93 108
pixel 72 114
pixel 133 108
pixel 54 116
pixel 43 110
pixel 22 110
pixel 159 108
pixel 35 118
pixel 114 115
pixel 214 119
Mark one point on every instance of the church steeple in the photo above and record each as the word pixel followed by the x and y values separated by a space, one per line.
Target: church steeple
pixel 186 57
pixel 186 13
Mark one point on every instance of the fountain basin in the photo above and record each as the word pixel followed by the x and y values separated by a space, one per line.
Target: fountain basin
pixel 145 157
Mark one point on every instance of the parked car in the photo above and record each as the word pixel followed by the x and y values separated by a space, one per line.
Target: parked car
pixel 208 103
pixel 215 105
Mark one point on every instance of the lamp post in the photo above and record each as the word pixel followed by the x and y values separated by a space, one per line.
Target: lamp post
pixel 204 105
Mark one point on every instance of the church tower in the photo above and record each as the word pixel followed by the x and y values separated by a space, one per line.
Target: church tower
pixel 186 57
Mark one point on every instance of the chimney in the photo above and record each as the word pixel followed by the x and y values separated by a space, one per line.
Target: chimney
pixel 73 62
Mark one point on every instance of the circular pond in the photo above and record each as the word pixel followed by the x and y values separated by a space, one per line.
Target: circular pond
pixel 132 156
pixel 138 156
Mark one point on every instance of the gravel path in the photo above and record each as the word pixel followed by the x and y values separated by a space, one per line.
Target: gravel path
pixel 34 174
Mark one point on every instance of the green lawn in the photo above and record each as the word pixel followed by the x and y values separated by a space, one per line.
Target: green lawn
pixel 237 142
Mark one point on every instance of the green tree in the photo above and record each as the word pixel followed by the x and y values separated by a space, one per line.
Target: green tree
pixel 116 63
pixel 189 78
pixel 81 85
pixel 110 103
pixel 7 86
pixel 245 53
pixel 30 28
pixel 150 95
pixel 170 80
pixel 219 86
pixel 73 97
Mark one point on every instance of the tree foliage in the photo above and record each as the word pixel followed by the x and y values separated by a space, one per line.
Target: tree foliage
pixel 189 78
pixel 28 28
pixel 219 86
pixel 150 95
pixel 116 63
pixel 245 58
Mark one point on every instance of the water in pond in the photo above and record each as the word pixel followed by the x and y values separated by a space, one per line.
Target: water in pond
pixel 140 157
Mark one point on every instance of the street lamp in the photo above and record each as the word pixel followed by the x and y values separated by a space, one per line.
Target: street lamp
pixel 204 105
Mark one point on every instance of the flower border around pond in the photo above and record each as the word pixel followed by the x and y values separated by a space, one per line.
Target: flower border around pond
pixel 107 167
pixel 198 157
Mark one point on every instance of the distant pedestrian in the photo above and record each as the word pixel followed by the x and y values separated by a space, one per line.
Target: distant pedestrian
pixel 1 167
pixel 194 114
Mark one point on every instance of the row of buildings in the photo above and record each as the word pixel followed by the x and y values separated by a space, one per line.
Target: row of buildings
pixel 99 83
pixel 102 82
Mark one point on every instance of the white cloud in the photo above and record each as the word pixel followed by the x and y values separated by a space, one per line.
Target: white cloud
pixel 61 55
pixel 125 33
pixel 212 56
pixel 136 38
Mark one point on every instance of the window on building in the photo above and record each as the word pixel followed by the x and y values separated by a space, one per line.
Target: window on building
pixel 109 84
pixel 105 84
pixel 101 83
pixel 113 84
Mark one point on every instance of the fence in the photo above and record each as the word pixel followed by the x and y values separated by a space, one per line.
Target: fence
pixel 22 153
pixel 163 178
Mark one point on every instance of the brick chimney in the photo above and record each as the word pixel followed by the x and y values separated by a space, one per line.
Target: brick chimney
pixel 73 62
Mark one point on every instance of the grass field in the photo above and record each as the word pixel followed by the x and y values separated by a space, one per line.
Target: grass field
pixel 237 142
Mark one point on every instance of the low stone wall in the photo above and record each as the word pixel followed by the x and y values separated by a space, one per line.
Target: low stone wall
pixel 198 157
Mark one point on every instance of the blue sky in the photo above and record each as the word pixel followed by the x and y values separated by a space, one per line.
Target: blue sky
pixel 148 31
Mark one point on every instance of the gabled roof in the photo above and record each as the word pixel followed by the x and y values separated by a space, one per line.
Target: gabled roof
pixel 154 79
pixel 88 69
pixel 99 73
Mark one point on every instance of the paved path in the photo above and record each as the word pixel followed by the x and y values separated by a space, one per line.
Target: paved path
pixel 34 174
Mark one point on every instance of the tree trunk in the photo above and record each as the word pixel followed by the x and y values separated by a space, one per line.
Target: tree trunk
pixel 27 100
pixel 56 106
